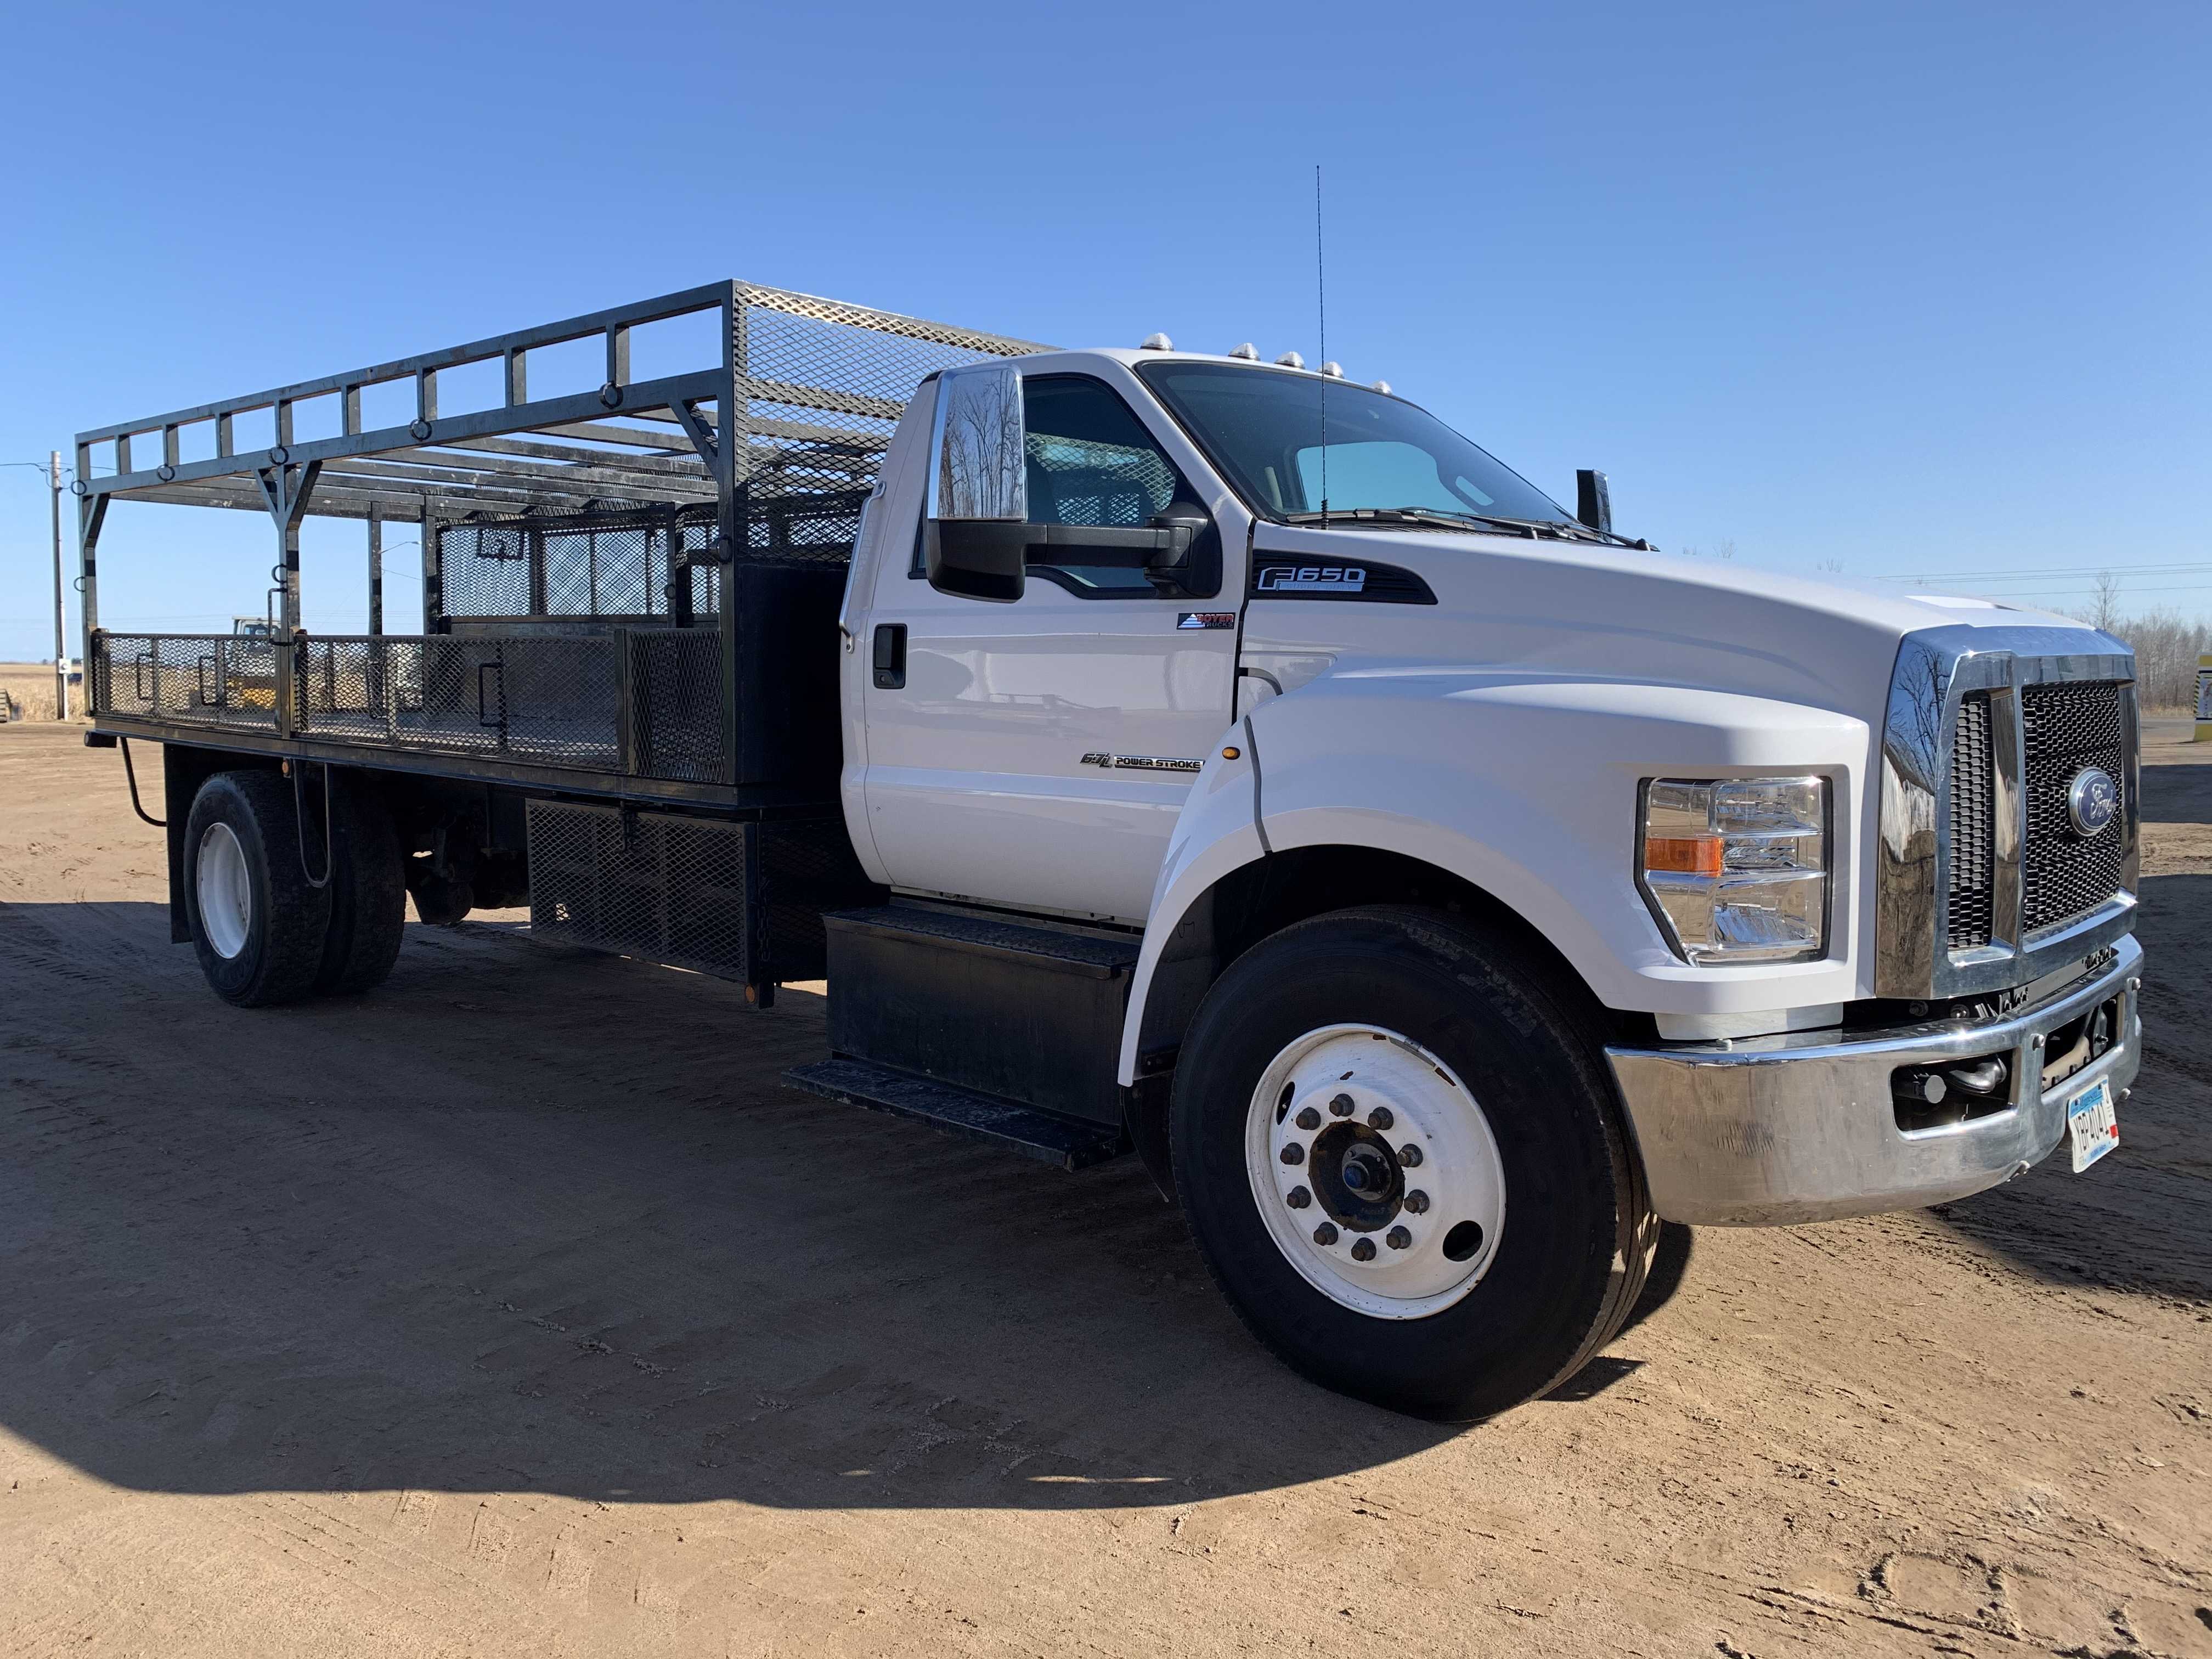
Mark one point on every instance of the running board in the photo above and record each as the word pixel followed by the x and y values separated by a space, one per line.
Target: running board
pixel 1023 1129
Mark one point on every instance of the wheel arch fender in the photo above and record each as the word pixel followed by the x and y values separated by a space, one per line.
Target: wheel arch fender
pixel 1519 791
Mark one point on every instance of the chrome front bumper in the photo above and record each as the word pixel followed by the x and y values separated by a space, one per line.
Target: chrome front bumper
pixel 1768 1131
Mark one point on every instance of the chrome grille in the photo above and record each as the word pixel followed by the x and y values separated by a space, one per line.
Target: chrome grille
pixel 2066 726
pixel 1973 786
pixel 1981 885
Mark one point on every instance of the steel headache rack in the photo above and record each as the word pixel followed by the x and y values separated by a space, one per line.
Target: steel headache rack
pixel 628 591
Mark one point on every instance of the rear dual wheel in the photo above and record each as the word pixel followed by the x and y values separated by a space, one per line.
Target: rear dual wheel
pixel 265 934
pixel 1398 1146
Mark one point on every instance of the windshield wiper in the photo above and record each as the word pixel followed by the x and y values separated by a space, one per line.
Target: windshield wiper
pixel 1443 519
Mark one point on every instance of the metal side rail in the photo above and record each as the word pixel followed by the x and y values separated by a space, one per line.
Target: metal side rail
pixel 1041 1135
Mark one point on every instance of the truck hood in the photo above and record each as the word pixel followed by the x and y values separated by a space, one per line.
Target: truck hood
pixel 1509 607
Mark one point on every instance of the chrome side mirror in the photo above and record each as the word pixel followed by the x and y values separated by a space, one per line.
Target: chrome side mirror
pixel 977 534
pixel 980 469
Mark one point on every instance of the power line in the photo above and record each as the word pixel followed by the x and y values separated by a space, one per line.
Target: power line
pixel 2192 566
pixel 2060 593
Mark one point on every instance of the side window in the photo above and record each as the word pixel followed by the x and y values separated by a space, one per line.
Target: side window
pixel 1090 462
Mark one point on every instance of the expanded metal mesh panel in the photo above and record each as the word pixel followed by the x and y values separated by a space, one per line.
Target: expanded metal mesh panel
pixel 199 679
pixel 545 699
pixel 614 565
pixel 675 697
pixel 601 561
pixel 825 384
pixel 643 701
pixel 821 387
pixel 2065 727
pixel 806 868
pixel 1974 824
pixel 674 890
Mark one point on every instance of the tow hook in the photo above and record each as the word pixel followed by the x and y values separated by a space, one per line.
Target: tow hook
pixel 1937 1097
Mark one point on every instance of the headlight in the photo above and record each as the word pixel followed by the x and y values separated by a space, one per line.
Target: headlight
pixel 1736 869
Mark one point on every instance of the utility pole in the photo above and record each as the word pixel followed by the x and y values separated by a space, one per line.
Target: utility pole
pixel 60 647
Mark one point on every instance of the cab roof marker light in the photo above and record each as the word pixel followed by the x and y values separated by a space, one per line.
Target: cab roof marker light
pixel 1383 386
pixel 1248 352
pixel 1290 360
pixel 1156 343
pixel 1334 369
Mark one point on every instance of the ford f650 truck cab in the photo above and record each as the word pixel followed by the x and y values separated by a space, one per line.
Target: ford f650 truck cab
pixel 1194 756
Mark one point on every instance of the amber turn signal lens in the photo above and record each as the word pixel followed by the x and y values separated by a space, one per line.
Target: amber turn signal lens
pixel 1683 855
pixel 1228 754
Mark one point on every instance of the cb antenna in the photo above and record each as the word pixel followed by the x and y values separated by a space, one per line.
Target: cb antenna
pixel 1320 305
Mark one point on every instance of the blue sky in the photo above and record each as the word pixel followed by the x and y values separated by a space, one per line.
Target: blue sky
pixel 1900 288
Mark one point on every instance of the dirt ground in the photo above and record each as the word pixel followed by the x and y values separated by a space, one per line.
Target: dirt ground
pixel 514 1308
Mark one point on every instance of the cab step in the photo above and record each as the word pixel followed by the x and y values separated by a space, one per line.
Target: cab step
pixel 1012 1010
pixel 1041 1135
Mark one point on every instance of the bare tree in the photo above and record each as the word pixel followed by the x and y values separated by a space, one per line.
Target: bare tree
pixel 2105 608
pixel 1724 549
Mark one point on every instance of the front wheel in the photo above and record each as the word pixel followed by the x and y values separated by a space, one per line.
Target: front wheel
pixel 1399 1150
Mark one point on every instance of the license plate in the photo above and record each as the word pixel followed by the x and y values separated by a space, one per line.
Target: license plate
pixel 2096 1131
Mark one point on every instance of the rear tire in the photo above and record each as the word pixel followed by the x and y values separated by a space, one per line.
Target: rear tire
pixel 368 892
pixel 258 927
pixel 1512 1247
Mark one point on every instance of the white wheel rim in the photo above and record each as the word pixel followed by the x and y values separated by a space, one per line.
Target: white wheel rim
pixel 1425 1188
pixel 226 891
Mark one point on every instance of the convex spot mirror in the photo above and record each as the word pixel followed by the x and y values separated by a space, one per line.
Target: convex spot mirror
pixel 977 535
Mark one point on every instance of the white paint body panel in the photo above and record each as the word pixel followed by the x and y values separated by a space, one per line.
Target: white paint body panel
pixel 1500 734
pixel 972 781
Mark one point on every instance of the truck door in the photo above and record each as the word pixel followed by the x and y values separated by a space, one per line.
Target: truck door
pixel 1036 754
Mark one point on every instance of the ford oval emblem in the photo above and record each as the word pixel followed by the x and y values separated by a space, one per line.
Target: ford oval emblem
pixel 2092 800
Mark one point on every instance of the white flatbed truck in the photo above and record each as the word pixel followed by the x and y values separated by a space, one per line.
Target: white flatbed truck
pixel 1176 754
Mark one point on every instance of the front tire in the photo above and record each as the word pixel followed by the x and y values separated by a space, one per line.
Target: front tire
pixel 258 927
pixel 1399 1148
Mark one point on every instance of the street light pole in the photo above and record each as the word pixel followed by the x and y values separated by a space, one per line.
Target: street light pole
pixel 60 647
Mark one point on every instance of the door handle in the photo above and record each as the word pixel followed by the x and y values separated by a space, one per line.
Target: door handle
pixel 890 656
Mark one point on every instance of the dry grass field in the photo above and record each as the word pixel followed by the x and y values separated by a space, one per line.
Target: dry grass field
pixel 32 686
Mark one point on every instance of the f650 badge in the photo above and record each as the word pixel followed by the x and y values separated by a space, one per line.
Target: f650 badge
pixel 1311 578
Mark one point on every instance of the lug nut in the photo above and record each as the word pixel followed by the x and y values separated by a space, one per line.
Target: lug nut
pixel 1363 1250
pixel 1397 1238
pixel 1410 1157
pixel 1294 1153
pixel 1341 1106
pixel 1299 1198
pixel 1380 1118
pixel 1417 1202
pixel 1309 1119
pixel 1326 1233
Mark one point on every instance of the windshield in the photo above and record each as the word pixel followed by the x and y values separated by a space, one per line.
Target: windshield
pixel 1263 428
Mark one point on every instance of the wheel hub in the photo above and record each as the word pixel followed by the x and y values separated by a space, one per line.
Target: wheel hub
pixel 1374 1167
pixel 1357 1176
pixel 224 887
